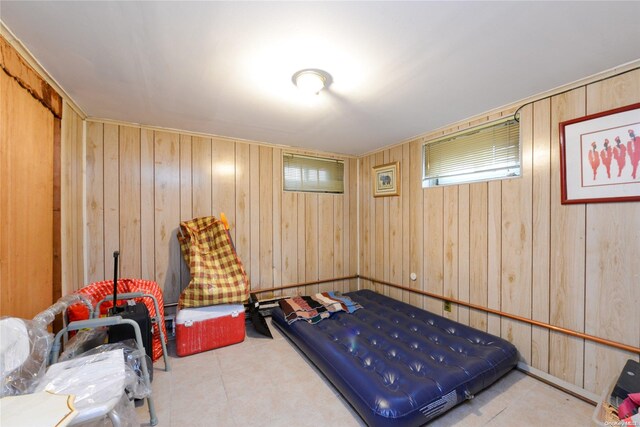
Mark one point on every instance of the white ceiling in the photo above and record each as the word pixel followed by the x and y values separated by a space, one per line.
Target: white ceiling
pixel 399 69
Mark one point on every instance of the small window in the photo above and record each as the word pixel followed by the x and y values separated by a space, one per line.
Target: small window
pixel 483 153
pixel 312 174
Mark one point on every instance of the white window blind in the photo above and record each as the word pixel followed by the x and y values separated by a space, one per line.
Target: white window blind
pixel 312 174
pixel 486 152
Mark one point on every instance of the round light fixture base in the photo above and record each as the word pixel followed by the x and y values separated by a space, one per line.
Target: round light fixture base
pixel 311 80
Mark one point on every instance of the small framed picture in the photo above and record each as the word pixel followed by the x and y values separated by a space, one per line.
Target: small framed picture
pixel 600 156
pixel 386 180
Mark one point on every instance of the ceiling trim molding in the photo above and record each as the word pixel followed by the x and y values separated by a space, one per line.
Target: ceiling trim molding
pixel 290 148
pixel 28 57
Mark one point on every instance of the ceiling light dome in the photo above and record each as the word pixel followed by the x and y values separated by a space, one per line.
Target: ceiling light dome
pixel 311 81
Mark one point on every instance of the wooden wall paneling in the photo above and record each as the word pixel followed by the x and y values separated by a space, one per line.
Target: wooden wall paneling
pixel 494 253
pixel 242 239
pixel 72 190
pixel 450 248
pixel 433 246
pixel 7 299
pixel 27 183
pixel 567 256
pixel 266 217
pixel 56 244
pixel 405 280
pixel 311 240
pixel 223 176
pixel 167 213
pixel 365 221
pixel 478 253
pixel 404 231
pixel 78 183
pixel 66 213
pixel 464 257
pixel 386 256
pixel 342 208
pixel 111 197
pixel 302 234
pixel 609 269
pixel 254 214
pixel 202 178
pixel 290 240
pixel 353 223
pixel 338 241
pixel 370 209
pixel 614 92
pixel 416 221
pixel 541 217
pixel 176 179
pixel 378 231
pixel 517 243
pixel 129 158
pixel 186 199
pixel 147 205
pixel 277 217
pixel 326 232
pixel 394 216
pixel 95 202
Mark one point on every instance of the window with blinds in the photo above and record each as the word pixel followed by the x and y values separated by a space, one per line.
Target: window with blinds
pixel 490 151
pixel 312 174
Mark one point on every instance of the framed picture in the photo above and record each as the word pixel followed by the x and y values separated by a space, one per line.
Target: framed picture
pixel 599 157
pixel 386 180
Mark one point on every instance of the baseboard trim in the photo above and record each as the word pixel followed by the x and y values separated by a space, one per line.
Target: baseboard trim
pixel 566 387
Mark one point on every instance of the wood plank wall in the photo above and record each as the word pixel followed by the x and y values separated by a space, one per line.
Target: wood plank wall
pixel 27 229
pixel 72 196
pixel 141 182
pixel 30 196
pixel 510 245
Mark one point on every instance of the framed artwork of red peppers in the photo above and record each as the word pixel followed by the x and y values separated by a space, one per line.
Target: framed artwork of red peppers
pixel 600 157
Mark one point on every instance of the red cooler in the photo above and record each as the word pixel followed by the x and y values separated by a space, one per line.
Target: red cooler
pixel 205 328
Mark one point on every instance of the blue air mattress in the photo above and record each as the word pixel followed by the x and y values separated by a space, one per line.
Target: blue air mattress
pixel 396 364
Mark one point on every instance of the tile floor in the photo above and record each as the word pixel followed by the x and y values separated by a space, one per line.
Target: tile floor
pixel 241 385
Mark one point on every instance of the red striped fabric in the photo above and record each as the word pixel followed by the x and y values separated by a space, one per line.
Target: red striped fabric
pixel 98 290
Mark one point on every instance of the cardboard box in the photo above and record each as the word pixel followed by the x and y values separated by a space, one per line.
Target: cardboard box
pixel 206 328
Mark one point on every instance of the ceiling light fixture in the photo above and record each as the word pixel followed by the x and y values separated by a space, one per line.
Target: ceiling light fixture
pixel 311 81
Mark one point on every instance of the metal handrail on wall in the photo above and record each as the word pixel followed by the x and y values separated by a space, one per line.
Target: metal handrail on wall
pixel 603 341
pixel 301 284
pixel 566 331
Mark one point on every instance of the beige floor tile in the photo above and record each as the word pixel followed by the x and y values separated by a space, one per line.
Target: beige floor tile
pixel 205 417
pixel 543 403
pixel 241 356
pixel 268 382
pixel 259 409
pixel 196 389
pixel 488 403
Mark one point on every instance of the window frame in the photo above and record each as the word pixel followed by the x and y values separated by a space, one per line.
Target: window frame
pixel 458 178
pixel 315 158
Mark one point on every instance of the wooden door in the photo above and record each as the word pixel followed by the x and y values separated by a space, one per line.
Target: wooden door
pixel 28 134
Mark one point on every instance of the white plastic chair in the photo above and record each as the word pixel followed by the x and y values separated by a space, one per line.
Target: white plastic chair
pixel 98 384
pixel 106 404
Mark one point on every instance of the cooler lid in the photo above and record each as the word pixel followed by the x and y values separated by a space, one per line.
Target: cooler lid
pixel 210 312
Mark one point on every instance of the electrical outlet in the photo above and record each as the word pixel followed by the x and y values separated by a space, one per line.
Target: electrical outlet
pixel 170 326
pixel 447 306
